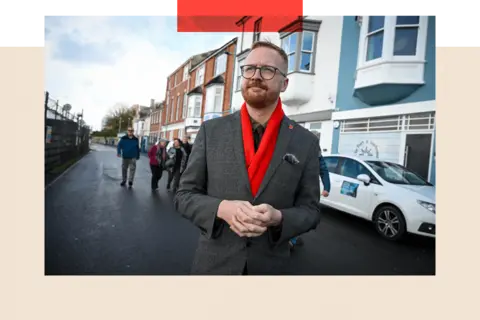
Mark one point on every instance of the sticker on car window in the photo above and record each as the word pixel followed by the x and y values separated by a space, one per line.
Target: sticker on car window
pixel 349 189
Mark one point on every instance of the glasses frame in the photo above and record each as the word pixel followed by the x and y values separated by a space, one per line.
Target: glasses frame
pixel 260 70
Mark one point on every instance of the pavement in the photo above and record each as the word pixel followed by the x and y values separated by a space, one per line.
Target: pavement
pixel 95 227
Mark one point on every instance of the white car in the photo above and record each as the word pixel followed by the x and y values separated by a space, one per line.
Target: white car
pixel 394 198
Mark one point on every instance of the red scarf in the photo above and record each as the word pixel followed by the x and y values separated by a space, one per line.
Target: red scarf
pixel 257 163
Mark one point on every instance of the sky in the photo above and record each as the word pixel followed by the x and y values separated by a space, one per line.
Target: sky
pixel 95 63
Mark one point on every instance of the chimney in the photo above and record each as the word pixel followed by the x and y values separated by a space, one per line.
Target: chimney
pixel 152 103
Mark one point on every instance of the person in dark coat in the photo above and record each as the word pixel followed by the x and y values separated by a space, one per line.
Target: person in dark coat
pixel 187 145
pixel 177 163
pixel 251 183
pixel 128 149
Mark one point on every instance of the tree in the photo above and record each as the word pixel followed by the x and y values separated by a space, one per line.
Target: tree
pixel 119 118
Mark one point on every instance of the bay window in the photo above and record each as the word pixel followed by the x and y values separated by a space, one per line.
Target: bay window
pixel 214 99
pixel 391 51
pixel 300 46
pixel 195 106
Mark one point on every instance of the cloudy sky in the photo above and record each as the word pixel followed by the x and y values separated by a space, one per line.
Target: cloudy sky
pixel 94 63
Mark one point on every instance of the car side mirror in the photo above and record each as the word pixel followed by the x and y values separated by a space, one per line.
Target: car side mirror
pixel 364 178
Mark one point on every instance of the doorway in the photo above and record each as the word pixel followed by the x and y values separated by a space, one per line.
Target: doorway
pixel 417 153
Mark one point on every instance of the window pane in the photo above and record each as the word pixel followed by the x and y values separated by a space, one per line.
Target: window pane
pixel 375 23
pixel 291 62
pixel 292 45
pixel 305 63
pixel 307 41
pixel 285 45
pixel 402 20
pixel 350 169
pixel 375 44
pixel 405 41
pixel 331 163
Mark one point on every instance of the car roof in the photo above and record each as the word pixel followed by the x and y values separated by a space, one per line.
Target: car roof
pixel 361 158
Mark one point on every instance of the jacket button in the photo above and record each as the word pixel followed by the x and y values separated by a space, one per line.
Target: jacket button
pixel 249 243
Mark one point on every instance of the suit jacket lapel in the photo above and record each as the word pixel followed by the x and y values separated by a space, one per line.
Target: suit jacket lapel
pixel 238 150
pixel 284 136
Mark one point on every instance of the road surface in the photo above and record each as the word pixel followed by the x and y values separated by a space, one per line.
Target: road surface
pixel 95 227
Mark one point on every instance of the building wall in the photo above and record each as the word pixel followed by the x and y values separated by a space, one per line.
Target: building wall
pixel 154 133
pixel 309 98
pixel 348 66
pixel 209 75
pixel 176 92
pixel 387 145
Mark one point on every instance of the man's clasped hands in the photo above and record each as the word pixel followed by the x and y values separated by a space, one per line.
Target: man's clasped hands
pixel 248 220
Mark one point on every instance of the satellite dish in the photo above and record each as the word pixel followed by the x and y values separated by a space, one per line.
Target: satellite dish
pixel 67 107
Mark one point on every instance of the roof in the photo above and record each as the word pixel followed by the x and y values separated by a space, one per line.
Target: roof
pixel 214 53
pixel 196 90
pixel 195 58
pixel 216 80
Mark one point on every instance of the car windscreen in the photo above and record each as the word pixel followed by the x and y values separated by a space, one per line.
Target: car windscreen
pixel 397 174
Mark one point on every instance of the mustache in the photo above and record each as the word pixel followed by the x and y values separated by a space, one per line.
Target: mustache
pixel 256 84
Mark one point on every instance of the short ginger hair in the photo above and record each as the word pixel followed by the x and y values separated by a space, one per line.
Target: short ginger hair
pixel 268 44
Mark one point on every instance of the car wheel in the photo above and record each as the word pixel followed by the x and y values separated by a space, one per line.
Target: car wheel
pixel 390 223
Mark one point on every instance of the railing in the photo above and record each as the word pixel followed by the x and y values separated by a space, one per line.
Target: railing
pixel 66 137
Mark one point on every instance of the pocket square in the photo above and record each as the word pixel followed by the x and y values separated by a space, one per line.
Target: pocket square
pixel 291 158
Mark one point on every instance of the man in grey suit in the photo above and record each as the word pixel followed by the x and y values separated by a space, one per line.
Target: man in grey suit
pixel 252 180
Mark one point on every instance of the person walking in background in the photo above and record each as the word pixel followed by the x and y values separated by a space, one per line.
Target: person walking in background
pixel 154 166
pixel 251 183
pixel 178 162
pixel 325 177
pixel 162 157
pixel 187 145
pixel 129 150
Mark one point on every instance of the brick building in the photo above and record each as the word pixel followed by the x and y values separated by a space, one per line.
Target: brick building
pixel 155 120
pixel 174 113
pixel 199 90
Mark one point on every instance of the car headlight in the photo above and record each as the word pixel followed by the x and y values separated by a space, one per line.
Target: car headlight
pixel 427 205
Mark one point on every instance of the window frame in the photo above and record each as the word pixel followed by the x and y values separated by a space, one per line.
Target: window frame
pixel 185 72
pixel 177 112
pixel 389 28
pixel 200 73
pixel 185 106
pixel 326 158
pixel 373 179
pixel 222 55
pixel 257 29
pixel 301 27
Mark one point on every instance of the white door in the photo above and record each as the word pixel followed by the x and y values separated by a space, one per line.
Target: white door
pixel 352 195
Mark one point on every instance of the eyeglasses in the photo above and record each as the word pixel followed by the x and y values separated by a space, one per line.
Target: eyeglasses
pixel 266 72
pixel 130 130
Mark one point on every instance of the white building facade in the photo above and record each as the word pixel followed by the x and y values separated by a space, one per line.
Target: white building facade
pixel 386 93
pixel 314 55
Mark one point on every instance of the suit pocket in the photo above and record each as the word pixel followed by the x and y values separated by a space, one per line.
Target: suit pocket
pixel 288 173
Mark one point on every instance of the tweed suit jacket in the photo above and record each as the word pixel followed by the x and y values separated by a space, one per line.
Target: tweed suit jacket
pixel 216 171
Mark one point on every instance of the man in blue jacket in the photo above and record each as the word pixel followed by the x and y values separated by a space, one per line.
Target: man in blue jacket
pixel 129 150
pixel 325 176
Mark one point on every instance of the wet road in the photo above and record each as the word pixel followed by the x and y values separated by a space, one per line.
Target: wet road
pixel 94 226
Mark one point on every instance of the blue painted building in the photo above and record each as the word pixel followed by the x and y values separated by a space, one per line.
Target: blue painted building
pixel 385 102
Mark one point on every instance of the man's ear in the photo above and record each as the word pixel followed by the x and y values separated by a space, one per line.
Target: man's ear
pixel 284 85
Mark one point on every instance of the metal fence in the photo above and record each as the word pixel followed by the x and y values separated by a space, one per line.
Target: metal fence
pixel 66 136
